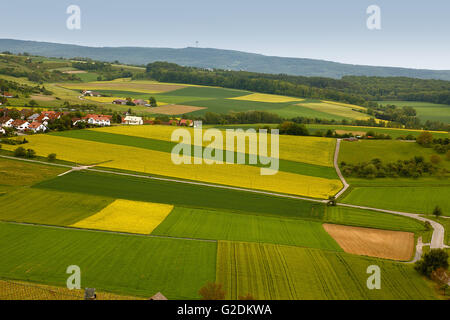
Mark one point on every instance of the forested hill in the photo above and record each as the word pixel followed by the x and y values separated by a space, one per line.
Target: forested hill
pixel 216 58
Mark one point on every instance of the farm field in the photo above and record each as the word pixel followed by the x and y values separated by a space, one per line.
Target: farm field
pixel 386 150
pixel 378 243
pixel 337 109
pixel 127 216
pixel 51 208
pixel 142 140
pixel 208 224
pixel 418 199
pixel 425 110
pixel 312 150
pixel 282 272
pixel 187 195
pixel 20 290
pixel 20 173
pixel 159 163
pixel 261 97
pixel 371 219
pixel 130 265
pixel 124 84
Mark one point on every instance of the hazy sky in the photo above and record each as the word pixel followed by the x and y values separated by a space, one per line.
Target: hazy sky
pixel 414 33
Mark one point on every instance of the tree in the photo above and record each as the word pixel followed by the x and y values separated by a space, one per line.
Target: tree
pixel 212 291
pixel 431 261
pixel 435 159
pixel 153 102
pixel 437 211
pixel 425 139
pixel 20 152
pixel 331 201
pixel 31 153
pixel 51 157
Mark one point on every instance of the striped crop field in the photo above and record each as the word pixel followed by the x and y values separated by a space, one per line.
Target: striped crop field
pixel 125 264
pixel 222 225
pixel 127 216
pixel 160 163
pixel 275 272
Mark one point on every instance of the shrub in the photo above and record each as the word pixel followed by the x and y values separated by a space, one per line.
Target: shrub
pixel 31 153
pixel 425 139
pixel 20 152
pixel 435 159
pixel 212 291
pixel 51 157
pixel 437 212
pixel 431 261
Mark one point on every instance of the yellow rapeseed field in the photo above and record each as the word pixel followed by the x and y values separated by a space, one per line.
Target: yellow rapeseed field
pixel 347 105
pixel 261 97
pixel 127 216
pixel 312 150
pixel 155 162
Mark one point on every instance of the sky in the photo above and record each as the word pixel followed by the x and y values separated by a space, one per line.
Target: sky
pixel 414 33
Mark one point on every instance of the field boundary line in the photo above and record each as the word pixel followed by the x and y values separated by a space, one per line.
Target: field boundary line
pixel 338 170
pixel 106 231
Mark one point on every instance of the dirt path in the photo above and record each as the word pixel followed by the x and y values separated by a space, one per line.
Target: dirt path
pixel 338 170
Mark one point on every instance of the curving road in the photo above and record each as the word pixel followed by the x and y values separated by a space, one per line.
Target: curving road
pixel 338 170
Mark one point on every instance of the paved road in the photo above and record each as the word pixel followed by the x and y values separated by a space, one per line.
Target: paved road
pixel 338 170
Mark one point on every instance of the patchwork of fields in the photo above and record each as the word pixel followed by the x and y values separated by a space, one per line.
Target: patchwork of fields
pixel 270 247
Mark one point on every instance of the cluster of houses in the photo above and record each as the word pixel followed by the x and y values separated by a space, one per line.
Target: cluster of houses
pixel 138 102
pixel 38 122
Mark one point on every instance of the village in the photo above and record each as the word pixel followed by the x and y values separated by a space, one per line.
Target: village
pixel 27 121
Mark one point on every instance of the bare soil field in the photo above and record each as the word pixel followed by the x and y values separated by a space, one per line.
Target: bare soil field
pixel 394 245
pixel 42 98
pixel 175 109
pixel 355 133
pixel 75 71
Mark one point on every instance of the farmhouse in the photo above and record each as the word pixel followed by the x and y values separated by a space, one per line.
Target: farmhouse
pixel 99 120
pixel 2 131
pixel 132 120
pixel 33 117
pixel 91 93
pixel 185 122
pixel 20 125
pixel 6 122
pixel 140 102
pixel 37 127
pixel 6 95
pixel 120 101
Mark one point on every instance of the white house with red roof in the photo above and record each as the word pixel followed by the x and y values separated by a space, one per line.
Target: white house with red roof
pixel 20 125
pixel 133 120
pixel 37 127
pixel 99 120
pixel 6 122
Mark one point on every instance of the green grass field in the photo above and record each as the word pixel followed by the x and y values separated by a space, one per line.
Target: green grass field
pixel 140 189
pixel 371 219
pixel 282 272
pixel 134 265
pixel 425 110
pixel 410 199
pixel 49 207
pixel 208 224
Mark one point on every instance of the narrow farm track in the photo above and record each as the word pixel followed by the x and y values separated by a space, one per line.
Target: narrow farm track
pixel 338 170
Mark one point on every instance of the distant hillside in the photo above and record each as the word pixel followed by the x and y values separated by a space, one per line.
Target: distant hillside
pixel 216 58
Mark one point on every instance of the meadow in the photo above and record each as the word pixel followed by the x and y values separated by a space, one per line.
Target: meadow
pixel 418 199
pixel 425 110
pixel 269 271
pixel 133 265
pixel 221 225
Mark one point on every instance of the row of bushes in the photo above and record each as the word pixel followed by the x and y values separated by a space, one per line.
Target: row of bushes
pixel 375 168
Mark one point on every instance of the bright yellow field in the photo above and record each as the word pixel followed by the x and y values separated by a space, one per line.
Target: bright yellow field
pixel 347 105
pixel 127 216
pixel 335 109
pixel 261 97
pixel 155 162
pixel 313 150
